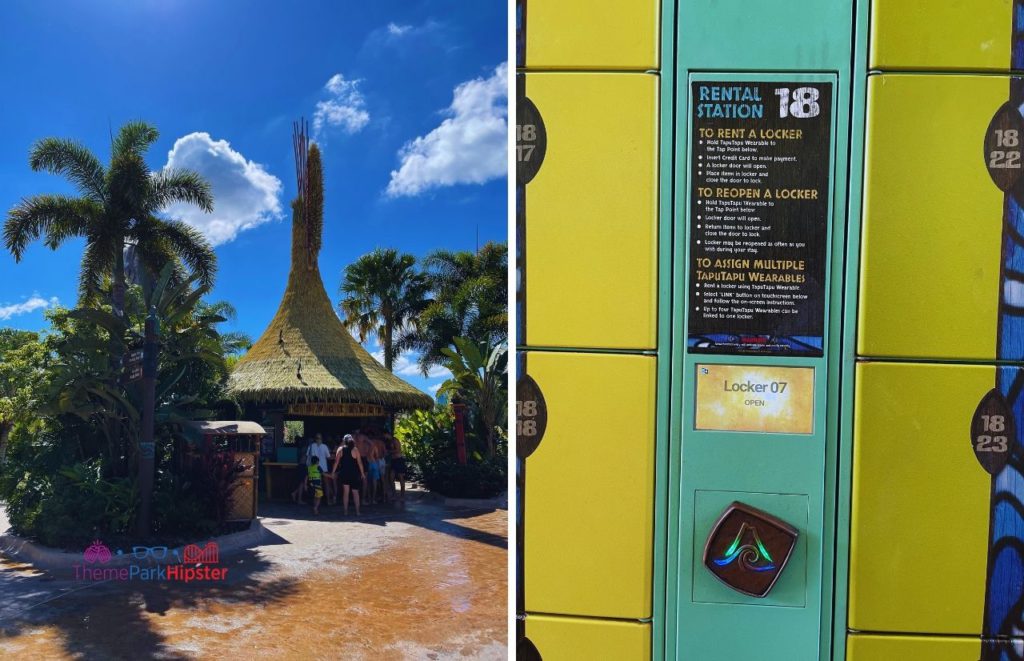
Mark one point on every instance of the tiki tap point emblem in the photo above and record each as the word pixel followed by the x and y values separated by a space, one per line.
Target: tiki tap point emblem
pixel 748 549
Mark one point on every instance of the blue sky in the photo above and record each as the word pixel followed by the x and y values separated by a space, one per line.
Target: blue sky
pixel 406 98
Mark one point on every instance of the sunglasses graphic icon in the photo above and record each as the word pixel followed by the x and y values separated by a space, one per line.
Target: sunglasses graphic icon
pixel 157 552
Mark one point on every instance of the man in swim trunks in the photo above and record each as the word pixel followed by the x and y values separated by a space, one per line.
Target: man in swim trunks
pixel 372 473
pixel 382 470
pixel 365 447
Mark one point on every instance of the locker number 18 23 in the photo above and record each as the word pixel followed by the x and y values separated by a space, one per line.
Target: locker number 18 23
pixel 994 441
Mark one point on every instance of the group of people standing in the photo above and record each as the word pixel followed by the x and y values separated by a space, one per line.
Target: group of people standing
pixel 363 462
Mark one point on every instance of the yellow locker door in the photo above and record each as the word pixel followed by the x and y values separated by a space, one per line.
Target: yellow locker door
pixel 952 35
pixel 573 639
pixel 932 218
pixel 590 487
pixel 920 509
pixel 911 648
pixel 590 34
pixel 591 213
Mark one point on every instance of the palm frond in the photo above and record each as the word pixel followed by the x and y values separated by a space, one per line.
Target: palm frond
pixel 133 138
pixel 58 216
pixel 192 247
pixel 221 308
pixel 96 261
pixel 360 317
pixel 180 186
pixel 235 342
pixel 72 160
pixel 128 186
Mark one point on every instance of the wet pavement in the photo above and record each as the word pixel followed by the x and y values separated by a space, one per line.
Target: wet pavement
pixel 412 581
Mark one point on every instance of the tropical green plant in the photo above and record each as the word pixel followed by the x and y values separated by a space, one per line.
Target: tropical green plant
pixel 182 511
pixel 116 206
pixel 88 389
pixel 293 431
pixel 428 442
pixel 383 294
pixel 23 379
pixel 426 436
pixel 117 498
pixel 66 505
pixel 71 480
pixel 477 479
pixel 479 380
pixel 32 462
pixel 470 299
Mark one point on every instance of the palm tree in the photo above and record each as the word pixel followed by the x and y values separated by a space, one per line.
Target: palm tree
pixel 384 294
pixel 470 301
pixel 117 206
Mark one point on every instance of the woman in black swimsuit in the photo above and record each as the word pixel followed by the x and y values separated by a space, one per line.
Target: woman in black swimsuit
pixel 350 473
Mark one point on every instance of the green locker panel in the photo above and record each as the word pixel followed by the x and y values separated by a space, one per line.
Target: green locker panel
pixel 740 66
pixel 769 35
pixel 757 417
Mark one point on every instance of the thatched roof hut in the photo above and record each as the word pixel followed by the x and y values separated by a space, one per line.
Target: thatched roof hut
pixel 306 357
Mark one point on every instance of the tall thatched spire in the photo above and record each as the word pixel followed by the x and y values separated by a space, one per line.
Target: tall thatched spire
pixel 314 208
pixel 305 354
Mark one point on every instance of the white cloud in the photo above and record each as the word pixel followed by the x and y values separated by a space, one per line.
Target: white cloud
pixel 469 147
pixel 434 388
pixel 346 106
pixel 409 367
pixel 408 39
pixel 244 194
pixel 405 364
pixel 35 302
